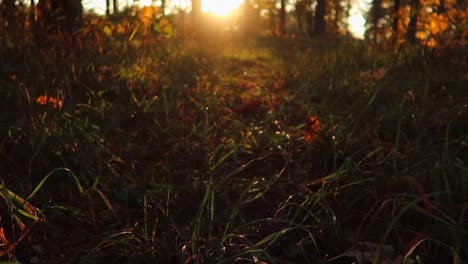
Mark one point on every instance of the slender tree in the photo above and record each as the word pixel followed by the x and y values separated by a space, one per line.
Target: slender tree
pixel 376 14
pixel 396 19
pixel 412 26
pixel 320 22
pixel 8 12
pixel 163 7
pixel 59 16
pixel 32 12
pixel 115 5
pixel 304 16
pixel 282 17
pixel 107 7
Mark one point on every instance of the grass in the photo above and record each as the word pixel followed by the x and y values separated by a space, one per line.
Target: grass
pixel 209 151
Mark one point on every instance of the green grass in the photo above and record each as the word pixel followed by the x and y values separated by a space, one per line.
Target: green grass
pixel 194 151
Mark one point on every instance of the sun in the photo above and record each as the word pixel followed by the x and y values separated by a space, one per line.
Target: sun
pixel 220 7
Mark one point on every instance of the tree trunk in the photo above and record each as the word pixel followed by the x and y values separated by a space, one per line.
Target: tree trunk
pixel 115 5
pixel 8 12
pixel 282 18
pixel 59 18
pixel 107 7
pixel 301 9
pixel 320 13
pixel 376 14
pixel 413 24
pixel 396 19
pixel 163 7
pixel 310 22
pixel 32 13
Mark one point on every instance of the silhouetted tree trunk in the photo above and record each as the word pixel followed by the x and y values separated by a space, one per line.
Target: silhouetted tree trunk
pixel 376 13
pixel 107 7
pixel 163 7
pixel 115 5
pixel 305 17
pixel 282 17
pixel 442 8
pixel 310 22
pixel 56 17
pixel 302 7
pixel 320 13
pixel 396 19
pixel 32 8
pixel 8 12
pixel 413 24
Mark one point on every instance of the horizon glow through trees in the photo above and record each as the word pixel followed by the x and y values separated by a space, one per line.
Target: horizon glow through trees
pixel 222 8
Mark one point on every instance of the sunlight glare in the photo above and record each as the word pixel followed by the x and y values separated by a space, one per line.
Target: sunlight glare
pixel 220 8
pixel 357 25
pixel 357 21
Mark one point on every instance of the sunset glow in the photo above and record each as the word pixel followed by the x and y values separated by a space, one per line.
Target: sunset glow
pixel 220 8
pixel 357 20
pixel 216 7
pixel 225 7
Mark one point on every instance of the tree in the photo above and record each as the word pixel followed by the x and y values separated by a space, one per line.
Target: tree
pixel 412 26
pixel 163 7
pixel 376 14
pixel 107 7
pixel 303 15
pixel 396 19
pixel 56 17
pixel 60 15
pixel 8 13
pixel 282 17
pixel 320 22
pixel 115 5
pixel 428 22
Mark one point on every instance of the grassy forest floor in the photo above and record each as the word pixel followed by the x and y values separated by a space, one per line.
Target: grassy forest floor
pixel 232 149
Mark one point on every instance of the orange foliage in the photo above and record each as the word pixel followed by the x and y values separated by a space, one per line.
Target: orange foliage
pixel 54 102
pixel 375 75
pixel 147 15
pixel 438 23
pixel 313 129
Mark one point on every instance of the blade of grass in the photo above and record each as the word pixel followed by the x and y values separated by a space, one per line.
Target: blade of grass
pixel 41 183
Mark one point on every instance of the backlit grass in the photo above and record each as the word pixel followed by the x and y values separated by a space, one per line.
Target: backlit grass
pixel 232 150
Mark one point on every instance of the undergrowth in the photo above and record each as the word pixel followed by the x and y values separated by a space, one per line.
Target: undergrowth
pixel 209 150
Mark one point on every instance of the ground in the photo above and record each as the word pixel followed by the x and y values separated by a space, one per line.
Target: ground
pixel 232 149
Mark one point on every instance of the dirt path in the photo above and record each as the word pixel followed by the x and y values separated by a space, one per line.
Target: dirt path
pixel 250 76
